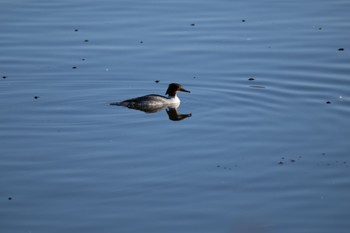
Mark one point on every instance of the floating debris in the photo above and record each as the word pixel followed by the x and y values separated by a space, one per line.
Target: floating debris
pixel 243 20
pixel 283 160
pixel 328 102
pixel 341 49
pixel 76 30
pixel 36 97
pixel 4 77
pixel 338 163
pixel 74 67
pixel 86 40
pixel 251 79
pixel 192 24
pixel 226 168
pixel 157 81
pixel 10 198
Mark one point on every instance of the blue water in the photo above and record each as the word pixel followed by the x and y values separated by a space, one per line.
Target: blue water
pixel 265 150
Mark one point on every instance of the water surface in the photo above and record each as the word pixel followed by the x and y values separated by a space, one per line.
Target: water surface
pixel 265 150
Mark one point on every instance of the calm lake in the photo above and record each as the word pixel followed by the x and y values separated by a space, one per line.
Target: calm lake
pixel 264 147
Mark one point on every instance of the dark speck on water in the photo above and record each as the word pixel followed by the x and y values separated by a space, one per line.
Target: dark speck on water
pixel 280 163
pixel 225 167
pixel 10 198
pixel 328 102
pixel 76 30
pixel 157 81
pixel 243 20
pixel 86 40
pixel 74 67
pixel 4 77
pixel 192 24
pixel 341 49
pixel 36 97
pixel 251 79
pixel 141 42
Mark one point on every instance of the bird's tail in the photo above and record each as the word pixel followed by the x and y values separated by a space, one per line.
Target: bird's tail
pixel 116 103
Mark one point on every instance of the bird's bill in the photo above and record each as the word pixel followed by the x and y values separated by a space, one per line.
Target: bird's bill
pixel 184 90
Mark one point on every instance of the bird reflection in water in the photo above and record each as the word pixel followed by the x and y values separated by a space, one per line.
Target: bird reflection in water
pixel 171 110
pixel 174 115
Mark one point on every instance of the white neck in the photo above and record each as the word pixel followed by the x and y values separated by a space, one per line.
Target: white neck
pixel 174 99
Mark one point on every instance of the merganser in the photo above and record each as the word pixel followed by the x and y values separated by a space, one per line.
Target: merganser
pixel 154 101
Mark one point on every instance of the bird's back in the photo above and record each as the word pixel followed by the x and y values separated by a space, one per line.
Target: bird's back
pixel 151 100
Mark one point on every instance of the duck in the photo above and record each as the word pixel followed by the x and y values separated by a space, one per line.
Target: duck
pixel 154 101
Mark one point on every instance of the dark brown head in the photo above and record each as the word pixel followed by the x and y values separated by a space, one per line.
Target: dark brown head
pixel 173 88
